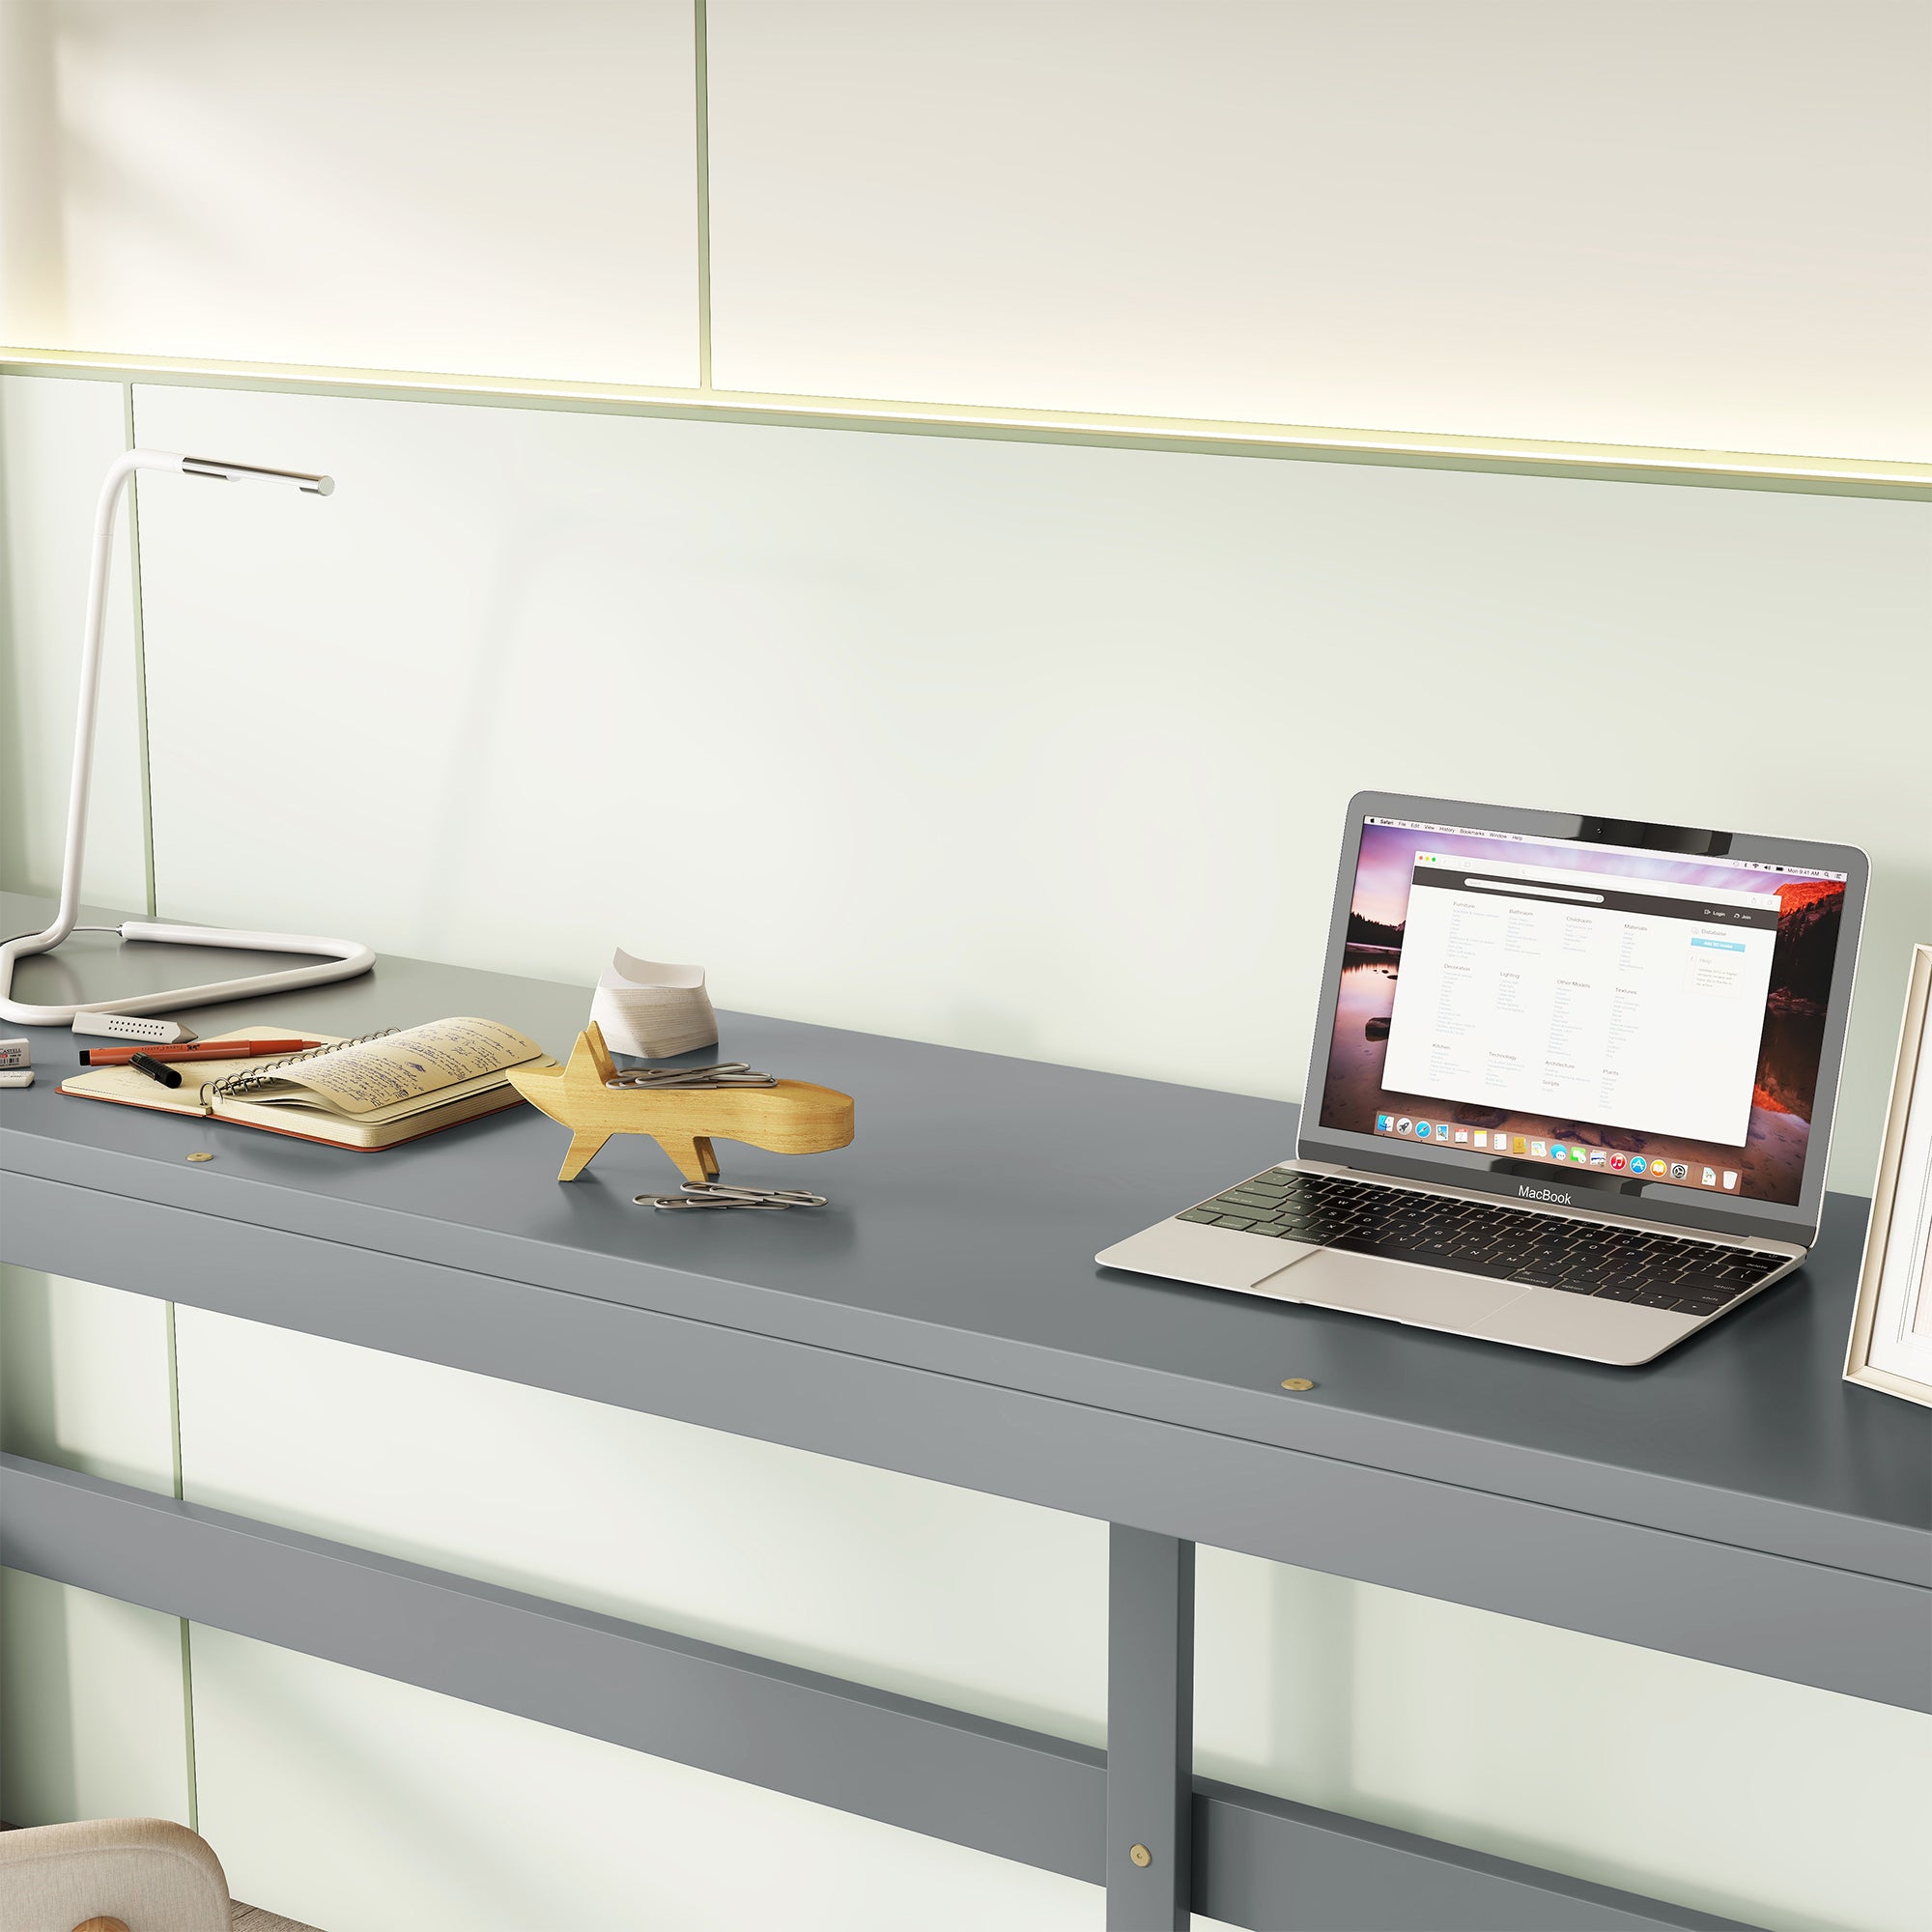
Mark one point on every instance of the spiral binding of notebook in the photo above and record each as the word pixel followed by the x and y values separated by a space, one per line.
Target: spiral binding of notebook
pixel 252 1079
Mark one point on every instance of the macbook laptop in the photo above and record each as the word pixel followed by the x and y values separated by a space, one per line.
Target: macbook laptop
pixel 1571 1085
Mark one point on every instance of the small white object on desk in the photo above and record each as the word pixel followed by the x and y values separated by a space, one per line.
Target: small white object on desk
pixel 652 1009
pixel 18 1077
pixel 15 1053
pixel 133 1026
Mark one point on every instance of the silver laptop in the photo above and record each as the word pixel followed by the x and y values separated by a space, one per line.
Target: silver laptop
pixel 1571 1084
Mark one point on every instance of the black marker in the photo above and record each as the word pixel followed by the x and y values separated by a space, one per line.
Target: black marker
pixel 156 1069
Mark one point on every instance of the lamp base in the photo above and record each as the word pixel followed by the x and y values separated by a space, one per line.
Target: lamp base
pixel 343 959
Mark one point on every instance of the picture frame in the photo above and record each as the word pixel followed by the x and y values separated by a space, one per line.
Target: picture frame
pixel 1891 1344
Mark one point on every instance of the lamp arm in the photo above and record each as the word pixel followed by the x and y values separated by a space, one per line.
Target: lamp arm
pixel 106 515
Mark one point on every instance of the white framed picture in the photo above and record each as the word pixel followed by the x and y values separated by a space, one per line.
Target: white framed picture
pixel 1891 1330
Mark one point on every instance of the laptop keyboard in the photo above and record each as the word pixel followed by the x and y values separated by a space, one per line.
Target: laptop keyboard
pixel 1635 1264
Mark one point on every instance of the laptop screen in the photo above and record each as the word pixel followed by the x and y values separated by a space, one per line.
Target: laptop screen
pixel 1634 1014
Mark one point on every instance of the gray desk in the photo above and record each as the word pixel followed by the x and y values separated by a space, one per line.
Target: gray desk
pixel 1736 1501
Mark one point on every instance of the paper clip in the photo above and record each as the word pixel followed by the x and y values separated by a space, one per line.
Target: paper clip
pixel 716 1194
pixel 726 1073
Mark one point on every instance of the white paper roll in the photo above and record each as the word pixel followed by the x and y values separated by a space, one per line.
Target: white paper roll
pixel 653 1009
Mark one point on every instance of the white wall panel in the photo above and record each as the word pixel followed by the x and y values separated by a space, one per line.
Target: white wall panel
pixel 363 1806
pixel 1666 221
pixel 92 1707
pixel 92 1715
pixel 1033 748
pixel 57 438
pixel 969 1600
pixel 492 187
pixel 84 1377
pixel 32 294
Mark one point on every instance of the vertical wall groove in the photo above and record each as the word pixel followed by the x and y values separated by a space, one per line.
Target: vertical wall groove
pixel 140 675
pixel 186 1639
pixel 701 64
pixel 188 1723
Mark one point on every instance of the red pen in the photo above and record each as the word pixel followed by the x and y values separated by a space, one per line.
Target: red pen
pixel 200 1049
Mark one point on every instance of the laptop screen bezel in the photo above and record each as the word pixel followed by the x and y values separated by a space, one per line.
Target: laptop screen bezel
pixel 1667 1204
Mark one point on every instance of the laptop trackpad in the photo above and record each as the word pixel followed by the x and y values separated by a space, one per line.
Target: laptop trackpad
pixel 1398 1291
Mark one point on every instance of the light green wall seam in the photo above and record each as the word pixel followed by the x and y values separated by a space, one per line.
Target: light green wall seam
pixel 141 681
pixel 186 1637
pixel 188 1723
pixel 173 1402
pixel 1263 442
pixel 132 442
pixel 702 61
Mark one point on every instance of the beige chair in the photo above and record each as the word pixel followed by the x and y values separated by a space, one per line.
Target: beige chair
pixel 110 1875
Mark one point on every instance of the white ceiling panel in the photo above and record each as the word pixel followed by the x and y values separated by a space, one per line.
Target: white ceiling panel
pixel 1683 222
pixel 481 188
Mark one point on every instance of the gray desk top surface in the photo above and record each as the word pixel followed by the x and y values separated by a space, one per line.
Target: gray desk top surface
pixel 960 1240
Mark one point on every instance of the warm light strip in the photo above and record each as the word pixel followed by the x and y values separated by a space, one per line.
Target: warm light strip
pixel 1519 456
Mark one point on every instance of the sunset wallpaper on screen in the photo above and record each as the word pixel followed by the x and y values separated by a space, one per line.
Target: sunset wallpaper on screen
pixel 1810 915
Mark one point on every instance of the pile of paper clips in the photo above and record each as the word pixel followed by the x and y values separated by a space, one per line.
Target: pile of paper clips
pixel 711 1195
pixel 715 1194
pixel 726 1073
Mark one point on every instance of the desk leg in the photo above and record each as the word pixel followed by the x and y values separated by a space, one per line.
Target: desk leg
pixel 1150 1730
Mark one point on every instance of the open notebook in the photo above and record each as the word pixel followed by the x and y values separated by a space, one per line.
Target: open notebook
pixel 365 1094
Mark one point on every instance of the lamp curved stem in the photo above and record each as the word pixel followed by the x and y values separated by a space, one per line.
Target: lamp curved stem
pixel 344 957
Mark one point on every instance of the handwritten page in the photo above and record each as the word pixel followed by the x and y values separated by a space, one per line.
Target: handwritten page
pixel 402 1066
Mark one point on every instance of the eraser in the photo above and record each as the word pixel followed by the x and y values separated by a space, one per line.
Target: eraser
pixel 134 1026
pixel 17 1053
pixel 24 1078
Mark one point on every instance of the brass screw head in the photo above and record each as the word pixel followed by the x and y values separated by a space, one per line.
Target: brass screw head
pixel 1141 1855
pixel 201 1156
pixel 1298 1383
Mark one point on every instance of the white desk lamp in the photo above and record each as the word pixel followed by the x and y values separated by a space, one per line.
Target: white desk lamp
pixel 344 957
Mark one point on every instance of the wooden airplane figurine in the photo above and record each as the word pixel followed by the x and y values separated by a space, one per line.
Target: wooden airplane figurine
pixel 790 1117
